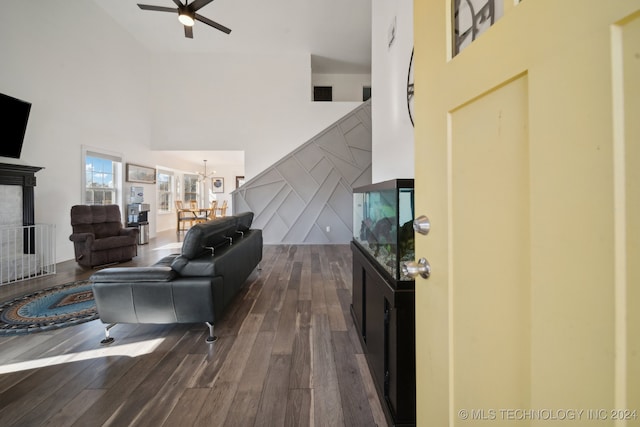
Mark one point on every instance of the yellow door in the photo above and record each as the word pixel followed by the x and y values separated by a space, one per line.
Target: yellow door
pixel 527 157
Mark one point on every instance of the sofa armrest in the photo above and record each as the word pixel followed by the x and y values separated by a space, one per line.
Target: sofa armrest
pixel 204 266
pixel 82 237
pixel 133 275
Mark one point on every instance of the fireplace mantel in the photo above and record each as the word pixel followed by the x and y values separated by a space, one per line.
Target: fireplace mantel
pixel 24 176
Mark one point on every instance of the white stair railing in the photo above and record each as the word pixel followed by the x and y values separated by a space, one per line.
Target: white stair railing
pixel 26 252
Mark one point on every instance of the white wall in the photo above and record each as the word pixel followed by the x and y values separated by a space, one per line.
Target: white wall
pixel 346 87
pixel 92 84
pixel 258 103
pixel 393 155
pixel 78 98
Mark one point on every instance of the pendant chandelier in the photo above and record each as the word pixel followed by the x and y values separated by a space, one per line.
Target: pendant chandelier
pixel 204 176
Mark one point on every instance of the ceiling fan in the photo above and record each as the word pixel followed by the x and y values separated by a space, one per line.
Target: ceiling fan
pixel 187 15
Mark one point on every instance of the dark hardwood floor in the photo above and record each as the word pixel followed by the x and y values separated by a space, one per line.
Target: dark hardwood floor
pixel 287 354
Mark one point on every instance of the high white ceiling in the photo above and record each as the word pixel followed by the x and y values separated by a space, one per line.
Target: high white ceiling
pixel 337 33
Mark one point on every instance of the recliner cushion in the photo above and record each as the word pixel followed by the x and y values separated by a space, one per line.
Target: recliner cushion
pixel 112 242
pixel 101 220
pixel 106 229
pixel 92 214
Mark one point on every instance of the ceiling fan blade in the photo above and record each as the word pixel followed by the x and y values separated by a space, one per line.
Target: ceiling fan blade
pixel 157 8
pixel 188 32
pixel 212 23
pixel 177 2
pixel 198 4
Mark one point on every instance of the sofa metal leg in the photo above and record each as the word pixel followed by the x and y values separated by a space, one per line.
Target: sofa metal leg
pixel 211 338
pixel 107 339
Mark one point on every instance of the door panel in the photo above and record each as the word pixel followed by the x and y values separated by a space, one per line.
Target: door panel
pixel 629 185
pixel 491 329
pixel 532 188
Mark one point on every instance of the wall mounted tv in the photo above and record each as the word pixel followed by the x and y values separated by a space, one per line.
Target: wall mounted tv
pixel 13 125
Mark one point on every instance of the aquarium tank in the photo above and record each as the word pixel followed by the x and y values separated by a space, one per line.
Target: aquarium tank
pixel 383 216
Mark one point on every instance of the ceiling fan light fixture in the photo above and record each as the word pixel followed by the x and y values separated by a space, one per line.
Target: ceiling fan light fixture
pixel 187 15
pixel 186 18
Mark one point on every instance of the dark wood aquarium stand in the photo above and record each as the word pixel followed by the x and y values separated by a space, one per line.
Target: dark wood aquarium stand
pixel 383 310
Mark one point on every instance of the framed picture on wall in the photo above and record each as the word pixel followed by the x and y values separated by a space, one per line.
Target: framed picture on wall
pixel 217 185
pixel 239 181
pixel 143 174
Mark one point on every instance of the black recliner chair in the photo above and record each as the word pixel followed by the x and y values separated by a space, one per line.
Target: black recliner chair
pixel 99 237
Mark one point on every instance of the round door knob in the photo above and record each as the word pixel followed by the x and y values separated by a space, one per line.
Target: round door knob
pixel 414 269
pixel 422 225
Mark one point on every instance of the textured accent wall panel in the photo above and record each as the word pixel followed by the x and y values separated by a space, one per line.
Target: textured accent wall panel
pixel 310 190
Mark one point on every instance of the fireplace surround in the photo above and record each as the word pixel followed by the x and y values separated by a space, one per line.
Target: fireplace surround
pixel 24 176
pixel 27 249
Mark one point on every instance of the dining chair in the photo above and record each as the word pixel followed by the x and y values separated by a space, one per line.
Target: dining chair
pixel 213 210
pixel 183 216
pixel 199 215
pixel 223 209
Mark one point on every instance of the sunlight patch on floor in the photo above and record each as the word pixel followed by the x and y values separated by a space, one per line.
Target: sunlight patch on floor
pixel 129 350
pixel 175 245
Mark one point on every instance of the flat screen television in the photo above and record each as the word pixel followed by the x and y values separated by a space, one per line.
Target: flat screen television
pixel 14 114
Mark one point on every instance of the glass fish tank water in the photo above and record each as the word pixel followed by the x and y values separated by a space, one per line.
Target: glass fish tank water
pixel 383 216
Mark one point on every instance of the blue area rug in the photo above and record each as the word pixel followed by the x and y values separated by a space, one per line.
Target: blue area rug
pixel 48 309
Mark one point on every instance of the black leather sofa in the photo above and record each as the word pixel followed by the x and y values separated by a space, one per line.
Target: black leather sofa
pixel 194 286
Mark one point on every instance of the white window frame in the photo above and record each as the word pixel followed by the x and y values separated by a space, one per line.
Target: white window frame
pixel 116 158
pixel 171 191
pixel 191 177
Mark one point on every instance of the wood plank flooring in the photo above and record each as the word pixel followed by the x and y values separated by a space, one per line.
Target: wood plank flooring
pixel 287 355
